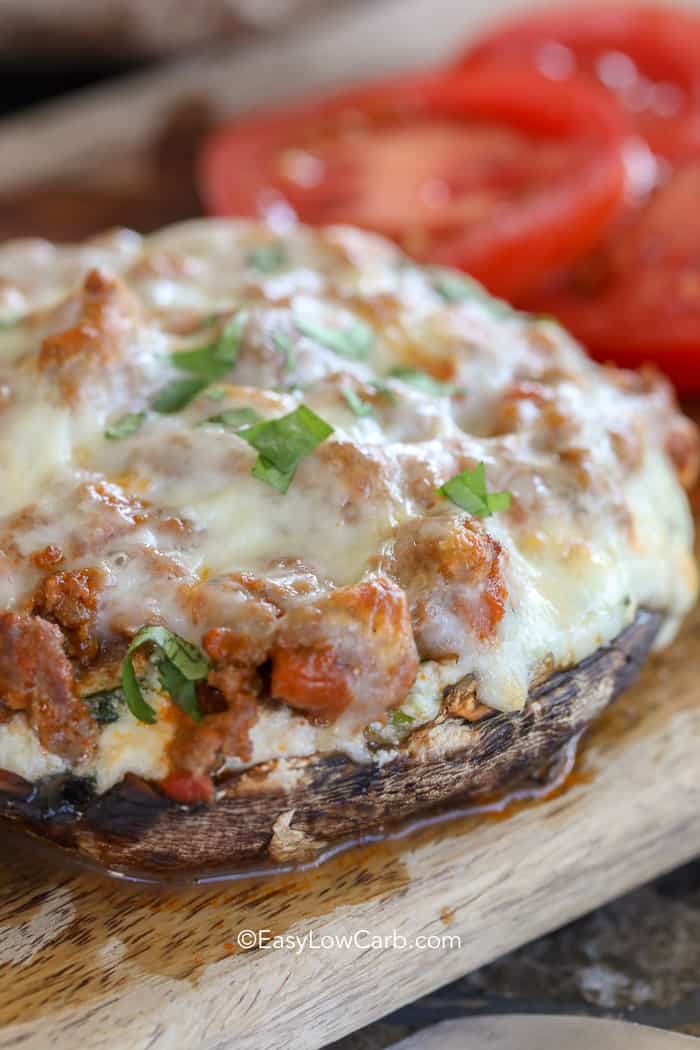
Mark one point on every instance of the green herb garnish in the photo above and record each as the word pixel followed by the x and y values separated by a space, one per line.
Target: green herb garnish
pixel 468 491
pixel 267 258
pixel 282 444
pixel 104 706
pixel 179 665
pixel 456 287
pixel 233 418
pixel 125 426
pixel 10 322
pixel 425 382
pixel 207 321
pixel 459 288
pixel 384 389
pixel 216 359
pixel 283 342
pixel 180 688
pixel 399 719
pixel 356 340
pixel 178 394
pixel 356 405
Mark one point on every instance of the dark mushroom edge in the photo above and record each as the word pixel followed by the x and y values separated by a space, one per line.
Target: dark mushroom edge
pixel 289 811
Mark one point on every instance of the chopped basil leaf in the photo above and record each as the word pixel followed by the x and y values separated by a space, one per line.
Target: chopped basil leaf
pixel 207 321
pixel 456 287
pixel 425 382
pixel 125 426
pixel 399 719
pixel 265 471
pixel 216 359
pixel 283 342
pixel 216 393
pixel 186 656
pixel 181 689
pixel 233 418
pixel 104 706
pixel 200 361
pixel 354 341
pixel 468 491
pixel 267 258
pixel 179 666
pixel 498 501
pixel 356 405
pixel 133 695
pixel 229 344
pixel 282 444
pixel 459 288
pixel 178 394
pixel 384 389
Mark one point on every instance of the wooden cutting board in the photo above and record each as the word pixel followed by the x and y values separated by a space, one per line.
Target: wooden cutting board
pixel 92 963
pixel 96 964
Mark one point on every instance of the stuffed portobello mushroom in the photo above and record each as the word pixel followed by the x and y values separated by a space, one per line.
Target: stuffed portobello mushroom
pixel 299 537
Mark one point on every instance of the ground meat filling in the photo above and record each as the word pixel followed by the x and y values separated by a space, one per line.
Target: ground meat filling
pixel 229 700
pixel 350 651
pixel 452 571
pixel 249 619
pixel 36 677
pixel 95 341
pixel 199 748
pixel 354 651
pixel 69 599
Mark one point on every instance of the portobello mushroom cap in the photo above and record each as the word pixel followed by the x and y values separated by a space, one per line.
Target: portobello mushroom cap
pixel 288 811
pixel 301 540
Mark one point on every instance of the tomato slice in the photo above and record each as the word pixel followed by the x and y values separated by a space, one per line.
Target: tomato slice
pixel 188 788
pixel 502 172
pixel 638 299
pixel 648 58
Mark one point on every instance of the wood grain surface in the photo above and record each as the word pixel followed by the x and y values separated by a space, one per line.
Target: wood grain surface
pixel 73 29
pixel 98 964
pixel 101 964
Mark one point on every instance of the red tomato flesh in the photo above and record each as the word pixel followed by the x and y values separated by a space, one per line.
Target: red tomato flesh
pixel 637 300
pixel 188 788
pixel 501 172
pixel 636 297
pixel 647 57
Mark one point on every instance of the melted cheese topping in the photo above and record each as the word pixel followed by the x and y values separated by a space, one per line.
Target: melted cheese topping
pixel 598 525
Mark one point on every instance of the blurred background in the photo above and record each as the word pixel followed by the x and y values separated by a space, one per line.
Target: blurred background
pixel 117 31
pixel 52 49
